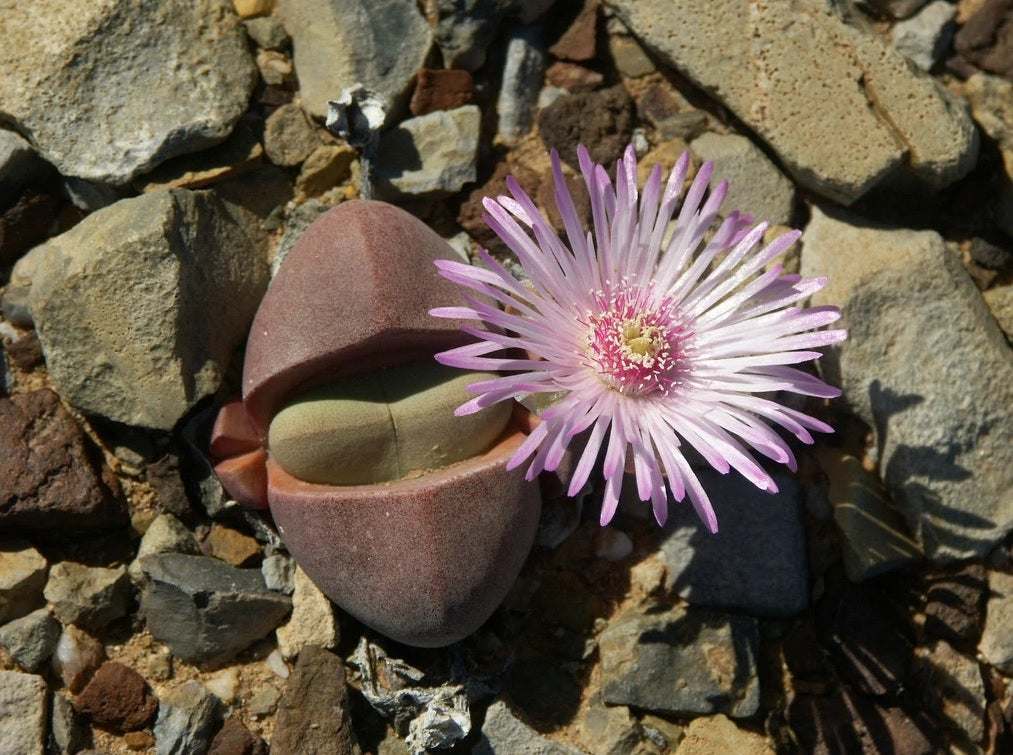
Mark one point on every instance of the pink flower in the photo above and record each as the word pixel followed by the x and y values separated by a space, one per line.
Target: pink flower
pixel 643 334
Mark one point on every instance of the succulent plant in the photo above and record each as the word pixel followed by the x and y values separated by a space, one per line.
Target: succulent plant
pixel 402 513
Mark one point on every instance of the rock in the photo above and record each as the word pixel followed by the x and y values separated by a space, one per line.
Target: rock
pixel 166 534
pixel 279 573
pixel 984 40
pixel 572 77
pixel 469 217
pixel 736 570
pixel 140 306
pixel 954 688
pixel 312 621
pixel 89 597
pixel 22 713
pixel 327 166
pixel 718 734
pixel 925 38
pixel 267 32
pixel 464 30
pixel 20 167
pixel 117 699
pixel 22 578
pixel 874 537
pixel 235 739
pixel 439 89
pixel 629 57
pixel 70 734
pixel 953 604
pixel 602 121
pixel 577 42
pixel 276 70
pixel 248 8
pixel 313 714
pixel 996 644
pixel 503 732
pixel 298 221
pixel 1000 301
pixel 188 718
pixel 756 186
pixel 339 43
pixel 946 455
pixel 430 155
pixel 991 101
pixel 264 703
pixel 608 730
pixel 22 348
pixel 230 545
pixel 522 80
pixel 76 657
pixel 847 722
pixel 31 639
pixel 117 88
pixel 205 610
pixel 774 65
pixel 542 690
pixel 52 480
pixel 289 136
pixel 870 645
pixel 164 476
pixel 223 684
pixel 681 661
pixel 26 224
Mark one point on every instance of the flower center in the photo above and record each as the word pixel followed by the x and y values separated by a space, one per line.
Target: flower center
pixel 635 347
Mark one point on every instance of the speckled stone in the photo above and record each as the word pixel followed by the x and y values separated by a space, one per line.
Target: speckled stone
pixel 424 561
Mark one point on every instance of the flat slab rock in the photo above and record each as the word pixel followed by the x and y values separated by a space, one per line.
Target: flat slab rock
pixel 110 90
pixel 841 109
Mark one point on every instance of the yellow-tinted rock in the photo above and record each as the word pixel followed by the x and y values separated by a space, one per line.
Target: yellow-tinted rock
pixel 383 426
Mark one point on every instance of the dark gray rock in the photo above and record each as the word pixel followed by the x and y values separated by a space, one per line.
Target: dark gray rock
pixel 111 90
pixel 140 306
pixel 681 661
pixel 69 732
pixel 205 610
pixel 31 639
pixel 188 718
pixel 313 714
pixel 88 596
pixel 735 569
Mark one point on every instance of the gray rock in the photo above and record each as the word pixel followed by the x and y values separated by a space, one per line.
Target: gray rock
pixel 756 186
pixel 31 639
pixel 996 644
pixel 188 718
pixel 841 110
pixel 166 534
pixel 735 569
pixel 289 137
pixel 608 730
pixel 140 306
pixel 503 732
pixel 431 155
pixel 69 732
pixel 113 89
pixel 279 573
pixel 205 610
pixel 22 713
pixel 267 32
pixel 954 688
pixel 928 368
pixel 522 80
pixel 338 43
pixel 313 714
pixel 312 621
pixel 925 37
pixel 681 661
pixel 22 578
pixel 88 596
pixel 464 30
pixel 300 219
pixel 19 167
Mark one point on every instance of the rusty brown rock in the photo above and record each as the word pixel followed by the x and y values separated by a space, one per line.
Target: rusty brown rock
pixel 577 43
pixel 117 698
pixel 51 479
pixel 986 40
pixel 441 89
pixel 235 739
pixel 602 121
